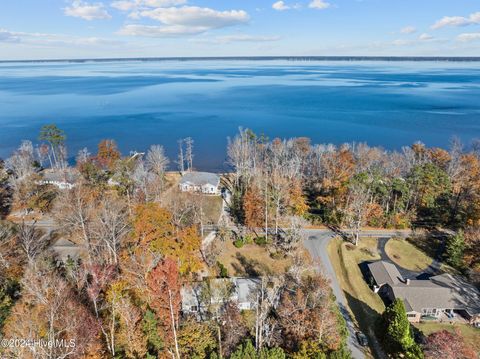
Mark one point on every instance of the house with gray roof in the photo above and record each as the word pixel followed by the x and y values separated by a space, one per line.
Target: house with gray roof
pixel 63 179
pixel 440 296
pixel 65 250
pixel 209 296
pixel 203 182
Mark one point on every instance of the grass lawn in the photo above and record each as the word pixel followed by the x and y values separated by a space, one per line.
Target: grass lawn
pixel 365 305
pixel 406 255
pixel 470 334
pixel 212 208
pixel 251 260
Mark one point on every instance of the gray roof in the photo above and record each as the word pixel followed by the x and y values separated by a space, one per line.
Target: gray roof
pixel 240 290
pixel 200 178
pixel 64 249
pixel 385 273
pixel 67 176
pixel 442 291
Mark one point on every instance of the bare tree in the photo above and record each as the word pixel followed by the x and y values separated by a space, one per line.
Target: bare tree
pixel 189 153
pixel 356 210
pixel 32 241
pixel 181 157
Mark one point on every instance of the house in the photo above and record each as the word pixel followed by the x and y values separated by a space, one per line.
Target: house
pixel 63 179
pixel 204 182
pixel 437 298
pixel 65 250
pixel 209 296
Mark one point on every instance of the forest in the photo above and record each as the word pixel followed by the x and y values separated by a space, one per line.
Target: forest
pixel 140 242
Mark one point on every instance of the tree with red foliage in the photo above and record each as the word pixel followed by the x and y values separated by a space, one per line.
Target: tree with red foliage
pixel 447 345
pixel 164 291
pixel 97 278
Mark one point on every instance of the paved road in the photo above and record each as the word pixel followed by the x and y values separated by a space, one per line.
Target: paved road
pixel 316 244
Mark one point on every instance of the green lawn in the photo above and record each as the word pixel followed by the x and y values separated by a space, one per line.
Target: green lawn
pixel 365 305
pixel 470 334
pixel 406 255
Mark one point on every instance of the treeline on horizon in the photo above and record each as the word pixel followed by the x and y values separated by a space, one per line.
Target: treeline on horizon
pixel 263 58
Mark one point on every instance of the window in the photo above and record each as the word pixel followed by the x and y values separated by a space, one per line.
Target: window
pixel 194 308
pixel 430 311
pixel 411 315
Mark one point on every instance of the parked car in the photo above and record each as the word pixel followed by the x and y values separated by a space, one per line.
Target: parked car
pixel 362 339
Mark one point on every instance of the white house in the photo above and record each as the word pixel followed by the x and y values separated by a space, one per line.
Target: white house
pixel 204 182
pixel 63 179
pixel 199 298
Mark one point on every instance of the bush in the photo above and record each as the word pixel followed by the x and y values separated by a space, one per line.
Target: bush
pixel 223 272
pixel 261 241
pixel 238 243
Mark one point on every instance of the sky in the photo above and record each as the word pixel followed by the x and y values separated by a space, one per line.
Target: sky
pixel 66 29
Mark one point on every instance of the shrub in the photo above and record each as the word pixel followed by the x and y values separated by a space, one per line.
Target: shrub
pixel 261 241
pixel 238 243
pixel 223 272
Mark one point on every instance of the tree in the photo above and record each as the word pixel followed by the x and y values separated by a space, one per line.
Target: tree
pixel 152 227
pixel 107 155
pixel 55 138
pixel 397 336
pixel 357 206
pixel 307 312
pixel 254 207
pixel 454 250
pixel 150 329
pixel 164 292
pixel 447 345
pixel 189 153
pixel 232 329
pixel 196 339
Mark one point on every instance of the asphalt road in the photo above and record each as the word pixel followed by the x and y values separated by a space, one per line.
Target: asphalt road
pixel 316 243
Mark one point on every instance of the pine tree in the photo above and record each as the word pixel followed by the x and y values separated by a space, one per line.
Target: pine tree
pixel 455 249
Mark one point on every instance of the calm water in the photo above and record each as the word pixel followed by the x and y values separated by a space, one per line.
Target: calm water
pixel 144 103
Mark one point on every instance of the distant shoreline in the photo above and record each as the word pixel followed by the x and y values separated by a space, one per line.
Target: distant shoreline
pixel 262 58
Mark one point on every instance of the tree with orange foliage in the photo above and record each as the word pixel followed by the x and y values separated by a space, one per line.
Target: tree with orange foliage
pixel 164 291
pixel 254 207
pixel 108 154
pixel 307 312
pixel 153 228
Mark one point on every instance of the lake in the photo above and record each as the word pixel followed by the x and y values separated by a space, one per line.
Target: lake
pixel 138 103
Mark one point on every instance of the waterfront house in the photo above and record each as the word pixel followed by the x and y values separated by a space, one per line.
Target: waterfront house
pixel 203 182
pixel 62 179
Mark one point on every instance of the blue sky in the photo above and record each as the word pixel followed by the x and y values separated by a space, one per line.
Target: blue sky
pixel 34 29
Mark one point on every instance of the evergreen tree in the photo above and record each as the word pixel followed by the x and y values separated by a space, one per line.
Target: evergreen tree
pixel 454 250
pixel 398 339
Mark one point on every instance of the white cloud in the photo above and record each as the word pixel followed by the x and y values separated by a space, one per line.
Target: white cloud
pixel 408 30
pixel 280 6
pixel 7 36
pixel 467 37
pixel 237 38
pixel 457 21
pixel 160 31
pixel 53 40
pixel 319 4
pixel 127 5
pixel 87 11
pixel 425 37
pixel 401 42
pixel 196 17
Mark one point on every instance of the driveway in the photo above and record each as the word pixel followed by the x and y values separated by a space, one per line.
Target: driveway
pixel 431 270
pixel 316 244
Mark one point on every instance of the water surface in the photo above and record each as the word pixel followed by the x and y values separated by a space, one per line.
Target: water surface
pixel 391 104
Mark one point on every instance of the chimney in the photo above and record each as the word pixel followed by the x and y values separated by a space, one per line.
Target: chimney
pixel 407 281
